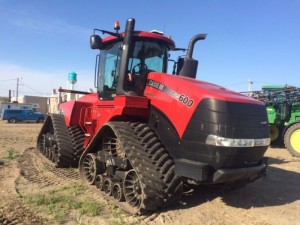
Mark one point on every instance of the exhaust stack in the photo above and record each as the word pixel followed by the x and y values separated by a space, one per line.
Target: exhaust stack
pixel 127 48
pixel 188 66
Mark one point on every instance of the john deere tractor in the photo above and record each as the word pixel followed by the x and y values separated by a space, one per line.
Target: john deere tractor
pixel 283 109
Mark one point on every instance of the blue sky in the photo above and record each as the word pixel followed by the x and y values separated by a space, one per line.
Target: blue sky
pixel 42 41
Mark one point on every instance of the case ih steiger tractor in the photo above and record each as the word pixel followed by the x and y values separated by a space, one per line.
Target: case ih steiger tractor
pixel 145 132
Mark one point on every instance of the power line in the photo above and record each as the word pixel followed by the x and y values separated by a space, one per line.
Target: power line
pixel 22 92
pixel 8 80
pixel 32 88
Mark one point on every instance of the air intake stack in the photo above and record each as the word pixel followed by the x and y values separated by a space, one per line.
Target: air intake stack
pixel 188 66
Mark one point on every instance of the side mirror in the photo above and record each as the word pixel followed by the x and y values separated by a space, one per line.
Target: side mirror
pixel 95 41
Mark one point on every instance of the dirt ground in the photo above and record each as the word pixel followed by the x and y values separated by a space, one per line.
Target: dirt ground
pixel 33 192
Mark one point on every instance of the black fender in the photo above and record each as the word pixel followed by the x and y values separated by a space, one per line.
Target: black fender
pixel 165 130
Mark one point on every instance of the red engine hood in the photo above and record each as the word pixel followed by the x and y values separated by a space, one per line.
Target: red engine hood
pixel 177 97
pixel 201 89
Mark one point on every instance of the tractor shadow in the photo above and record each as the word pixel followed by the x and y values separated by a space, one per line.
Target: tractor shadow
pixel 274 161
pixel 280 187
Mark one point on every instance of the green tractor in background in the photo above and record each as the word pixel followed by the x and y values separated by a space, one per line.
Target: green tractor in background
pixel 283 109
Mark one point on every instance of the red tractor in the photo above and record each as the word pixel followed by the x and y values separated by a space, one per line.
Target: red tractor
pixel 145 132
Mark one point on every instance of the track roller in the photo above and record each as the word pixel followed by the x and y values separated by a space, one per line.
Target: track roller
pixel 99 182
pixel 107 186
pixel 117 192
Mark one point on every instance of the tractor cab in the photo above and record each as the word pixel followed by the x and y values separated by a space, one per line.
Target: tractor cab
pixel 126 59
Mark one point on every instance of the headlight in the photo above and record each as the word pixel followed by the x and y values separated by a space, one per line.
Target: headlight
pixel 233 142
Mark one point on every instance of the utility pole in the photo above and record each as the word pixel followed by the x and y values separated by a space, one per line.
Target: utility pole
pixel 19 81
pixel 9 95
pixel 17 90
pixel 250 86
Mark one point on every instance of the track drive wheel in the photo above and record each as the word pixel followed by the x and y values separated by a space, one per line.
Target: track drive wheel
pixel 292 139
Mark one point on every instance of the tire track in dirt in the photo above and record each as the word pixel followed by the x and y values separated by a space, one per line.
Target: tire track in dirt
pixel 4 171
pixel 16 213
pixel 13 211
pixel 38 170
pixel 35 173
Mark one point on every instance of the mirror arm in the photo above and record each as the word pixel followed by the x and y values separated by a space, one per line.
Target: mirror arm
pixel 108 32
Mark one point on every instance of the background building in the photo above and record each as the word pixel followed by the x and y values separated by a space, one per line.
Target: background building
pixel 42 101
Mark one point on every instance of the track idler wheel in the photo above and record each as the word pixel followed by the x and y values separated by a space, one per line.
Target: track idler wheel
pixel 133 189
pixel 117 192
pixel 91 168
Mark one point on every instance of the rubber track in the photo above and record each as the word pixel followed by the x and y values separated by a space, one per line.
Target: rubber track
pixel 66 156
pixel 152 163
pixel 77 137
pixel 174 185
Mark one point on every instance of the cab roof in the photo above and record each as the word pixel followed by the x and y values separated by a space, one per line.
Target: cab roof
pixel 142 35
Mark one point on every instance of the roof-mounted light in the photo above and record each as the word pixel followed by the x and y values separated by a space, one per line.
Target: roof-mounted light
pixel 117 26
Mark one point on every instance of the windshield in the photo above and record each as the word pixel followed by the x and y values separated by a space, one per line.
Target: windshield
pixel 147 56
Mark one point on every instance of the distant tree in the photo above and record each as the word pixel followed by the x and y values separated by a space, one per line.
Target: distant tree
pixel 3 99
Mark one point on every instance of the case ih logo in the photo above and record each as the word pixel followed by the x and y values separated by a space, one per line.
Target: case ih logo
pixel 180 97
pixel 155 84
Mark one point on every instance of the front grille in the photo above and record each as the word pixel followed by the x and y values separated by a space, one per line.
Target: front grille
pixel 227 119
